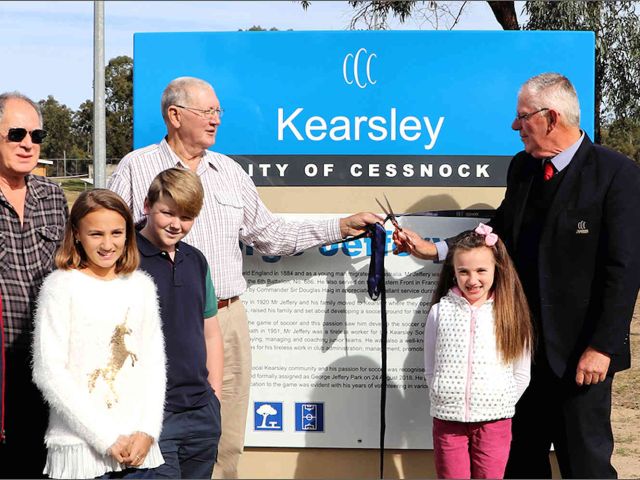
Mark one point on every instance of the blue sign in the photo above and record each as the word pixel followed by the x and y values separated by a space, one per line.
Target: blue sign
pixel 309 417
pixel 267 416
pixel 427 108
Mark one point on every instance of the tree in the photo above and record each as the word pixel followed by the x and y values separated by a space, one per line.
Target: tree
pixel 617 29
pixel 374 14
pixel 119 106
pixel 82 128
pixel 258 28
pixel 57 122
pixel 623 135
pixel 505 13
pixel 119 113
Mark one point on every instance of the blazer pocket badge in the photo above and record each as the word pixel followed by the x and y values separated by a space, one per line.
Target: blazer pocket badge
pixel 582 228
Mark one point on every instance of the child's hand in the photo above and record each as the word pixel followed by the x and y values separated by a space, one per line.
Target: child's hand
pixel 120 448
pixel 139 445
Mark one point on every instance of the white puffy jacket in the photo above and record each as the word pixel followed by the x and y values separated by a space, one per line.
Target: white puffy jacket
pixel 467 380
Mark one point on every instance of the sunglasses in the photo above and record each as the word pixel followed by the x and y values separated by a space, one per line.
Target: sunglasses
pixel 17 135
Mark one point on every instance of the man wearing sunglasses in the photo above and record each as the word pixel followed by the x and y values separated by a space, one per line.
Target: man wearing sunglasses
pixel 232 212
pixel 33 212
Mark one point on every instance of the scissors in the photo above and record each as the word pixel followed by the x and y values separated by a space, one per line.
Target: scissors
pixel 389 212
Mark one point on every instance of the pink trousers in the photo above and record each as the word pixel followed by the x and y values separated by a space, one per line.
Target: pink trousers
pixel 471 450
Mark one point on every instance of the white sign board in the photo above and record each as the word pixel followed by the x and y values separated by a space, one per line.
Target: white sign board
pixel 316 344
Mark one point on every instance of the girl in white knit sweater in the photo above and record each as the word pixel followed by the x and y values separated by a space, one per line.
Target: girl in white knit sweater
pixel 98 351
pixel 477 348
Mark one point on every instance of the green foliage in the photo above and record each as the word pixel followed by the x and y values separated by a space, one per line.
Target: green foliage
pixel 71 133
pixel 617 29
pixel 623 135
pixel 83 129
pixel 374 14
pixel 401 9
pixel 258 28
pixel 119 106
pixel 57 122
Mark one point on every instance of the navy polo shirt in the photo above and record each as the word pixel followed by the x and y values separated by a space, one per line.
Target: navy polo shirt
pixel 182 294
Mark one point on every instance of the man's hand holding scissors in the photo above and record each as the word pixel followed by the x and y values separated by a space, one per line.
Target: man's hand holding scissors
pixel 407 240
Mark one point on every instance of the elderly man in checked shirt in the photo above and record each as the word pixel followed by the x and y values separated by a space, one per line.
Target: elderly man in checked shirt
pixel 33 213
pixel 232 212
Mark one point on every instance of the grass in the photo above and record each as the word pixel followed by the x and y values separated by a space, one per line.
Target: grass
pixel 625 439
pixel 623 452
pixel 73 188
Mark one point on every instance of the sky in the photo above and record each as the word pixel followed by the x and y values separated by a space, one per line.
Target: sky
pixel 46 48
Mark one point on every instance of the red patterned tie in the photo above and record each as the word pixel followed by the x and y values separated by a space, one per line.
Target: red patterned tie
pixel 548 170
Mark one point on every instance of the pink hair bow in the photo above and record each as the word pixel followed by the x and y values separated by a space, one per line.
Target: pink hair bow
pixel 490 238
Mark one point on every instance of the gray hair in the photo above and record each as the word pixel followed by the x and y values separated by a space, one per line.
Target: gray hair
pixel 5 97
pixel 555 91
pixel 177 93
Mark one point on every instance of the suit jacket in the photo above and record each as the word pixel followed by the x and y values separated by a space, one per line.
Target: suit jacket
pixel 589 253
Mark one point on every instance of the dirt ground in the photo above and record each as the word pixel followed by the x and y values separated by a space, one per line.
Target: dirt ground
pixel 626 409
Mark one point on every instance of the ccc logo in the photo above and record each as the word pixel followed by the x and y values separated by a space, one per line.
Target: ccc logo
pixel 354 61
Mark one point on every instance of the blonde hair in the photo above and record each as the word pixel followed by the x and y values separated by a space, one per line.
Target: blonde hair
pixel 71 255
pixel 180 185
pixel 513 327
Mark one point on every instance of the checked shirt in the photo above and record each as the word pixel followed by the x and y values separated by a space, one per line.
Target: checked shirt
pixel 27 253
pixel 232 213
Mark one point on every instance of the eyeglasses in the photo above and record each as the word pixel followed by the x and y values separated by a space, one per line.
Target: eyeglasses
pixel 17 135
pixel 527 116
pixel 209 112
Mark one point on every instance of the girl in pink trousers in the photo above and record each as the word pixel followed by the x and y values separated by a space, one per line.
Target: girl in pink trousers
pixel 477 346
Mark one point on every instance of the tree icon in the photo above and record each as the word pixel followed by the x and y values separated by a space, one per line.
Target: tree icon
pixel 265 410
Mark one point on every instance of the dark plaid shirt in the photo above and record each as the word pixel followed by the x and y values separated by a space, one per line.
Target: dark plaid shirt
pixel 26 254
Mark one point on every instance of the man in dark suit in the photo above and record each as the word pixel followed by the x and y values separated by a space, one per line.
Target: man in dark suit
pixel 571 222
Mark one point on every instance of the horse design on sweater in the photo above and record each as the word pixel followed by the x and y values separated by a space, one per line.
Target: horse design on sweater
pixel 119 355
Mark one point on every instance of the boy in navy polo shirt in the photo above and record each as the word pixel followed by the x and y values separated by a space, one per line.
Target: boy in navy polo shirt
pixel 193 340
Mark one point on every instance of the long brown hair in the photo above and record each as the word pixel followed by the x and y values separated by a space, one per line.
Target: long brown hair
pixel 513 328
pixel 71 255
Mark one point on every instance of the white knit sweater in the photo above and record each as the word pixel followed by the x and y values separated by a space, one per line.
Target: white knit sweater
pixel 98 358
